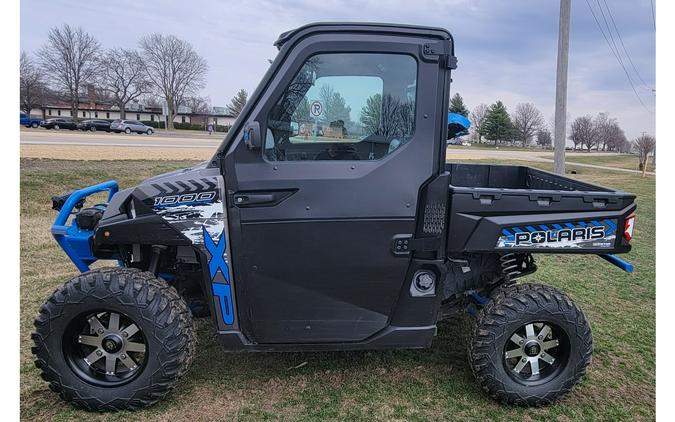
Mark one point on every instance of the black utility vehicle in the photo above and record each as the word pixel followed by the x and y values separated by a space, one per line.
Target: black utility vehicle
pixel 316 227
pixel 59 123
pixel 94 125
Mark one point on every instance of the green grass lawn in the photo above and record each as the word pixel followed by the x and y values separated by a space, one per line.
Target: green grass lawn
pixel 624 161
pixel 432 384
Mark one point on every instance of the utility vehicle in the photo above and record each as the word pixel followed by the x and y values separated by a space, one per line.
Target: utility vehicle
pixel 328 220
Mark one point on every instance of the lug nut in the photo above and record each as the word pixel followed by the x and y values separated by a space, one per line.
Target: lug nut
pixel 100 331
pixel 521 342
pixel 125 334
pixel 540 337
pixel 524 359
pixel 99 353
pixel 123 356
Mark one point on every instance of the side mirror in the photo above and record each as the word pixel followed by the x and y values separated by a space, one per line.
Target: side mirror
pixel 252 135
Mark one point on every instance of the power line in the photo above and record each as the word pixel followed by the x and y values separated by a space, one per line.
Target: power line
pixel 647 87
pixel 630 81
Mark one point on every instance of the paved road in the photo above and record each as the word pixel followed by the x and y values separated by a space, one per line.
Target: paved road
pixel 156 140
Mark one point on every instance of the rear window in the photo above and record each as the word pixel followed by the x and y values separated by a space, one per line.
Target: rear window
pixel 117 121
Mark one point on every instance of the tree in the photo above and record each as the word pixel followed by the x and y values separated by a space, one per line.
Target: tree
pixel 498 125
pixel 644 145
pixel 544 138
pixel 387 117
pixel 31 85
pixel 70 59
pixel 584 132
pixel 237 103
pixel 478 116
pixel 457 105
pixel 526 121
pixel 335 108
pixel 198 105
pixel 174 68
pixel 123 77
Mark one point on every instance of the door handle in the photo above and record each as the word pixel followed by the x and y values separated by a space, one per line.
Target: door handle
pixel 261 199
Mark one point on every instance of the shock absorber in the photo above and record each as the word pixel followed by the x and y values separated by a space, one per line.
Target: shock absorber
pixel 516 265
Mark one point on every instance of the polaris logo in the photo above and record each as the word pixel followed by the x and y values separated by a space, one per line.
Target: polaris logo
pixel 186 198
pixel 552 236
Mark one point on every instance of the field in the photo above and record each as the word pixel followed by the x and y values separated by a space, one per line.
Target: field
pixel 433 384
pixel 623 161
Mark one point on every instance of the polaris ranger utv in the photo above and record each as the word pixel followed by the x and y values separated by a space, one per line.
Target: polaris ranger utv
pixel 328 219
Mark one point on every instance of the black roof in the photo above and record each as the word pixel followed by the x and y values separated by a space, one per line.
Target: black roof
pixel 366 27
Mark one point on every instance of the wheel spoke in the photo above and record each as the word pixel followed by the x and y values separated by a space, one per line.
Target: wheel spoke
pixel 96 325
pixel 547 358
pixel 128 362
pixel 534 364
pixel 110 362
pixel 529 330
pixel 135 347
pixel 545 331
pixel 93 356
pixel 114 323
pixel 550 344
pixel 521 365
pixel 89 340
pixel 517 339
pixel 514 353
pixel 131 330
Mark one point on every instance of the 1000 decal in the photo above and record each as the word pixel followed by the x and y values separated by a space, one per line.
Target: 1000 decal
pixel 580 234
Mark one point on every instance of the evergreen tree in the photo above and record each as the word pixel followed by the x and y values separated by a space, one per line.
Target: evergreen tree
pixel 498 125
pixel 238 103
pixel 335 108
pixel 457 105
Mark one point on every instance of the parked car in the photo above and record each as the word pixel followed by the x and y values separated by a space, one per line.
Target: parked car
pixel 28 121
pixel 128 126
pixel 59 123
pixel 94 125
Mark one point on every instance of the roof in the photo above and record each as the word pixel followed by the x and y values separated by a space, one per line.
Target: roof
pixel 366 27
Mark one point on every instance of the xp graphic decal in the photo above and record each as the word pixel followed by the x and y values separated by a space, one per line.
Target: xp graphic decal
pixel 219 272
pixel 597 234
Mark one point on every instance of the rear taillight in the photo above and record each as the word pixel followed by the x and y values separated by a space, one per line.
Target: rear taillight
pixel 629 226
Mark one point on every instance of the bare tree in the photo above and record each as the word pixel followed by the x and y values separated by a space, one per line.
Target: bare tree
pixel 615 137
pixel 238 102
pixel 198 105
pixel 174 69
pixel 123 77
pixel 31 85
pixel 70 59
pixel 644 145
pixel 584 132
pixel 527 119
pixel 478 116
pixel 544 138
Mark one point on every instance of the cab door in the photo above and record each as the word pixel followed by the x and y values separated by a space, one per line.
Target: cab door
pixel 349 132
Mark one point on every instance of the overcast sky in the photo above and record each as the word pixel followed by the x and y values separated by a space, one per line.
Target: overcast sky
pixel 506 49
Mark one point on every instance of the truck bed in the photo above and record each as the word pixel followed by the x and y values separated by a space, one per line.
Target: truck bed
pixel 501 208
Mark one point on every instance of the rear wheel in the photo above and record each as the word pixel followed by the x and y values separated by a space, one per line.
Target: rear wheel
pixel 93 128
pixel 530 345
pixel 34 125
pixel 57 127
pixel 113 339
pixel 127 131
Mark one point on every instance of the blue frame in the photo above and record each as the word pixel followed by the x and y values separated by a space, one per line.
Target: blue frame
pixel 75 242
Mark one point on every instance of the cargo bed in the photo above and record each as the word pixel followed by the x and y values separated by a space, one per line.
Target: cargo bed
pixel 517 208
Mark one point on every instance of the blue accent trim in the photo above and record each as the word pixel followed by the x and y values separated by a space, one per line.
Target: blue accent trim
pixel 459 119
pixel 217 251
pixel 224 294
pixel 516 229
pixel 75 242
pixel 611 224
pixel 544 227
pixel 531 229
pixel 481 300
pixel 558 226
pixel 596 223
pixel 571 226
pixel 506 232
pixel 613 259
pixel 582 224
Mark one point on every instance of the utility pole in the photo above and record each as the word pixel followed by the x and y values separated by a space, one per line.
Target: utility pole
pixel 561 87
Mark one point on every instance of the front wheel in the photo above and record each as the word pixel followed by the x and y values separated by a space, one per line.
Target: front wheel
pixel 127 131
pixel 57 127
pixel 93 128
pixel 34 125
pixel 113 339
pixel 530 345
pixel 149 132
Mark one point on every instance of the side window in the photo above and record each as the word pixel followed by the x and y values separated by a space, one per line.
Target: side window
pixel 344 106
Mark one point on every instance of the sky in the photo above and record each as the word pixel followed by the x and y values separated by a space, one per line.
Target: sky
pixel 506 50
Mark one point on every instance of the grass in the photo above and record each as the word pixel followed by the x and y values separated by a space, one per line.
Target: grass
pixel 432 384
pixel 623 161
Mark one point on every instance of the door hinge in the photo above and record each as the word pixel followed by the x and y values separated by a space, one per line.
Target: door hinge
pixel 403 244
pixel 442 49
